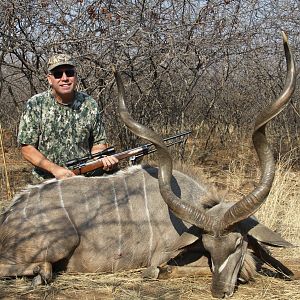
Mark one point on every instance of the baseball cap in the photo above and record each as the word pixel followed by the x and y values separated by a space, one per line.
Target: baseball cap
pixel 59 60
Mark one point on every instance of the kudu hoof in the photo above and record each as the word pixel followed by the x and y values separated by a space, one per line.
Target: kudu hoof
pixel 36 281
pixel 167 272
pixel 43 274
pixel 151 273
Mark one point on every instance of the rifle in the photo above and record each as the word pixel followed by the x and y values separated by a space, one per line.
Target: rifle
pixel 93 161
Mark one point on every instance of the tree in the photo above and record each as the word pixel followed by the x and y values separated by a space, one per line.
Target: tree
pixel 205 65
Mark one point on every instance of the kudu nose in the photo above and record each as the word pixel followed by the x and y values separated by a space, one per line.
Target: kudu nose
pixel 221 293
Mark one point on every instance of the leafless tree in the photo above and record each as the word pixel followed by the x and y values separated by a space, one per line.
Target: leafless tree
pixel 177 58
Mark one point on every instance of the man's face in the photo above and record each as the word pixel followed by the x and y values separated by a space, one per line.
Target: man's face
pixel 63 79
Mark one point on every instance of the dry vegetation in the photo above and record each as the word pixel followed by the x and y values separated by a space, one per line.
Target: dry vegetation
pixel 234 177
pixel 129 286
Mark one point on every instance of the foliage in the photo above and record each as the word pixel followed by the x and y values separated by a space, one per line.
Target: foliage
pixel 209 66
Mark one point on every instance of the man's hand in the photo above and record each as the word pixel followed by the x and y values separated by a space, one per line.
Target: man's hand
pixel 61 173
pixel 109 163
pixel 35 157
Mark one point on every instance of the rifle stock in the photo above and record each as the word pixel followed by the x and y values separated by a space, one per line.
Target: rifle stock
pixel 98 164
pixel 94 164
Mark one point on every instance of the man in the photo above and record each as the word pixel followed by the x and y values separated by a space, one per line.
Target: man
pixel 61 124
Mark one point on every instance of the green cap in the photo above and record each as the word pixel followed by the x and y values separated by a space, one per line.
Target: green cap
pixel 59 60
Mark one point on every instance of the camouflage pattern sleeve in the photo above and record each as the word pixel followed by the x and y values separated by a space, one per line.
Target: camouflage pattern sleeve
pixel 29 127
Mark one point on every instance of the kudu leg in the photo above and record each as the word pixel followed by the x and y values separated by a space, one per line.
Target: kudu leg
pixel 166 271
pixel 42 270
pixel 190 261
pixel 43 274
pixel 183 271
pixel 187 264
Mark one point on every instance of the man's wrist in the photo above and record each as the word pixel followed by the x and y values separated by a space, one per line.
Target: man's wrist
pixel 47 165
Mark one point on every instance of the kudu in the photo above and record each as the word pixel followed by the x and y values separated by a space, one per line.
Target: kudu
pixel 131 219
pixel 227 229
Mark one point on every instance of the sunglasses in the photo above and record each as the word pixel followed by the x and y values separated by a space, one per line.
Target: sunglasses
pixel 58 74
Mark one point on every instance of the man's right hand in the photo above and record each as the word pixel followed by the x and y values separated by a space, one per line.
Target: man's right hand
pixel 61 173
pixel 31 154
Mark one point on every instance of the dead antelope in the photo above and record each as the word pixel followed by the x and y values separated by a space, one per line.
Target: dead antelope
pixel 226 230
pixel 137 218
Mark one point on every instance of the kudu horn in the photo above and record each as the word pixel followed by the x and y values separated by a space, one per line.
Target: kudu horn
pixel 250 203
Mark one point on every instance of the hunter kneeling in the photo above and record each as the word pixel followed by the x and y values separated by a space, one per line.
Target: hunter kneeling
pixel 61 124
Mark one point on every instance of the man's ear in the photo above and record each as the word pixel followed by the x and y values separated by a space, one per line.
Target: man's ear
pixel 49 80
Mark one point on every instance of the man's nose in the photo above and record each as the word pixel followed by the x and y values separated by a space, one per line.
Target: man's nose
pixel 64 76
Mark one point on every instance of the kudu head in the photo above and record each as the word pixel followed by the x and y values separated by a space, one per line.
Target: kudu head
pixel 223 237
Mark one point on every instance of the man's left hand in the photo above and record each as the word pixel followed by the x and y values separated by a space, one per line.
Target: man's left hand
pixel 109 163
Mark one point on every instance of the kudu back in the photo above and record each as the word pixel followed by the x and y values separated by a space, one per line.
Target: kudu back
pixel 143 217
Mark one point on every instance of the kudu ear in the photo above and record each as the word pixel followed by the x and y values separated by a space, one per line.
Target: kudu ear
pixel 263 234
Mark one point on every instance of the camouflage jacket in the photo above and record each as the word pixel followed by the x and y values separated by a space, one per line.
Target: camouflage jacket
pixel 60 132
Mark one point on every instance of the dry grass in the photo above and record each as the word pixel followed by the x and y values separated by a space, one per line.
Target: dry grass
pixel 280 212
pixel 129 285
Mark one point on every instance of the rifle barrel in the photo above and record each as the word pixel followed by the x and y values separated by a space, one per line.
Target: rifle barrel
pixel 77 162
pixel 179 135
pixel 154 150
pixel 85 165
